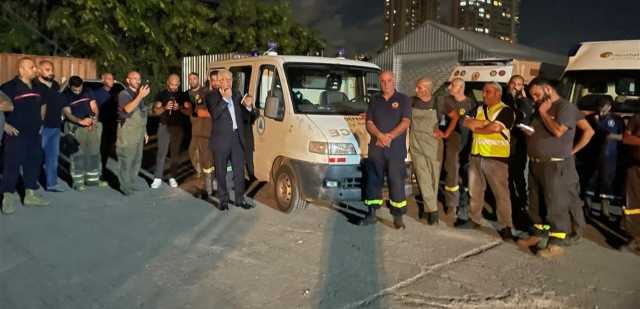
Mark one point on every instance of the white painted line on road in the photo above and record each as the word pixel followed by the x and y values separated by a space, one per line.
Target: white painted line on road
pixel 423 272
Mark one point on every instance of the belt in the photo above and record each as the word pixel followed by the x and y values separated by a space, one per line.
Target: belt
pixel 542 160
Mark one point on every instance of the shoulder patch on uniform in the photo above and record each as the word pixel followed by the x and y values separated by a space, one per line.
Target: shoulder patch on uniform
pixel 462 111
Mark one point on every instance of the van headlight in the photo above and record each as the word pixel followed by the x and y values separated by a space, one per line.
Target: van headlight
pixel 332 148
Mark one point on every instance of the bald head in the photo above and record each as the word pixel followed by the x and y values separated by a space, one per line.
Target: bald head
pixel 173 82
pixel 456 87
pixel 45 71
pixel 387 83
pixel 27 69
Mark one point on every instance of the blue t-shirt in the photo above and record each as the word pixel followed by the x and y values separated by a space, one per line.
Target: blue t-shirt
pixel 102 96
pixel 604 126
pixel 79 103
pixel 386 115
pixel 27 102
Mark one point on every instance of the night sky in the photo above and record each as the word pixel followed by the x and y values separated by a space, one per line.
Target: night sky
pixel 553 25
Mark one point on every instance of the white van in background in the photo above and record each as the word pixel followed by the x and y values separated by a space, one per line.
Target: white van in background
pixel 476 73
pixel 597 70
pixel 609 68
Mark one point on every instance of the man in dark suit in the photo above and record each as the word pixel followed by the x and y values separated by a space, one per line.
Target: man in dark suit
pixel 227 139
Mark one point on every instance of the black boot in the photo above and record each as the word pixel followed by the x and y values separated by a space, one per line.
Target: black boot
pixel 432 218
pixel 370 218
pixel 397 222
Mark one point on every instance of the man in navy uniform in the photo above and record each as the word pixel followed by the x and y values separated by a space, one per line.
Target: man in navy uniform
pixel 388 118
pixel 23 138
pixel 227 139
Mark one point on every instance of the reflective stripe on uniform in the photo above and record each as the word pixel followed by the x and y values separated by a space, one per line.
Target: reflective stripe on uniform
pixel 542 227
pixel 559 235
pixel 373 202
pixel 208 170
pixel 452 189
pixel 398 204
pixel 634 211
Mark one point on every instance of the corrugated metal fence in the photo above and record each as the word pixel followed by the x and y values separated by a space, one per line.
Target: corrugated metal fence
pixel 64 67
pixel 201 64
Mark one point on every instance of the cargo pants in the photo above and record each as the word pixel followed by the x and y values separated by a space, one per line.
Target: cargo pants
pixel 456 166
pixel 426 155
pixel 129 147
pixel 86 164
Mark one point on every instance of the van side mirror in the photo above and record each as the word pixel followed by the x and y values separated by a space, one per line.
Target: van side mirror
pixel 274 108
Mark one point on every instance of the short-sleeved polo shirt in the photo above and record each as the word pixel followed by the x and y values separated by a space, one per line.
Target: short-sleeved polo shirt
pixel 79 103
pixel 386 115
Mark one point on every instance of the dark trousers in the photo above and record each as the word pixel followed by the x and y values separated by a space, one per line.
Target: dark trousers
pixel 248 158
pixel 169 139
pixel 380 163
pixel 518 184
pixel 554 195
pixel 221 156
pixel 456 167
pixel 21 151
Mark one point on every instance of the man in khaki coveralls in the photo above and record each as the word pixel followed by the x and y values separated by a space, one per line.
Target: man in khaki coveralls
pixel 426 145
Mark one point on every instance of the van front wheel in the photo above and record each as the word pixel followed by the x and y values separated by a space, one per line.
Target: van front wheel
pixel 287 190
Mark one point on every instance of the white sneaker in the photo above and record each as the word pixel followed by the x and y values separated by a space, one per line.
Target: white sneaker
pixel 157 182
pixel 173 183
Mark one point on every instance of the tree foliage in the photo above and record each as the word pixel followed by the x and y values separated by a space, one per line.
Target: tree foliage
pixel 150 35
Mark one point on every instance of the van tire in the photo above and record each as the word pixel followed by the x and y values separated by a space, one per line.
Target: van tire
pixel 286 188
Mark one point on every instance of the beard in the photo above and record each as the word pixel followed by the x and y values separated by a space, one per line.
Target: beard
pixel 544 98
pixel 49 78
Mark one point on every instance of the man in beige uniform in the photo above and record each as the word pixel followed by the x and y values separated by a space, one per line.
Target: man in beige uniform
pixel 199 153
pixel 426 145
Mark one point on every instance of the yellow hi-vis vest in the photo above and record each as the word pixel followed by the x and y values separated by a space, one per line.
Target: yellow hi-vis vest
pixel 496 145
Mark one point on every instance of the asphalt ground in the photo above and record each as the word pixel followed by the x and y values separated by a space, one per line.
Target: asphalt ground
pixel 166 249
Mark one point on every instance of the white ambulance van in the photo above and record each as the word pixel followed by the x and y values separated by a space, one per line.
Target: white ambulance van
pixel 609 68
pixel 476 73
pixel 310 137
pixel 597 70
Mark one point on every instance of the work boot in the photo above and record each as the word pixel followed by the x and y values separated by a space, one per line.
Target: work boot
pixel 80 187
pixel 398 223
pixel 9 201
pixel 370 218
pixel 103 184
pixel 432 218
pixel 31 198
pixel 459 222
pixel 505 234
pixel 468 225
pixel 551 251
pixel 527 243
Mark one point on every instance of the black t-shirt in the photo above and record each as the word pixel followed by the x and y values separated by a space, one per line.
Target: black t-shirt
pixel 173 117
pixel 27 102
pixel 55 103
pixel 387 114
pixel 80 104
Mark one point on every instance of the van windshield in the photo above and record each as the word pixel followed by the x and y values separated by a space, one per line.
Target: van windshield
pixel 587 88
pixel 330 89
